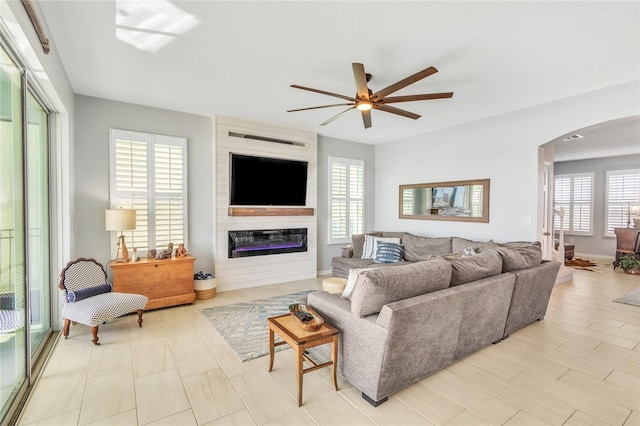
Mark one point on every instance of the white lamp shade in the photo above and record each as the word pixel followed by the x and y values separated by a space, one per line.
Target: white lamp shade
pixel 634 210
pixel 119 220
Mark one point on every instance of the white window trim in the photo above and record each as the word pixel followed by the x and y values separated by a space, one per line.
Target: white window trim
pixel 569 214
pixel 606 200
pixel 348 162
pixel 152 140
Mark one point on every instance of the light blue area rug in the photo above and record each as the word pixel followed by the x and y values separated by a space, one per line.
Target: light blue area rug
pixel 632 298
pixel 243 326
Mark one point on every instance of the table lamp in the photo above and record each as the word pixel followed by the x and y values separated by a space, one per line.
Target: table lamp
pixel 120 220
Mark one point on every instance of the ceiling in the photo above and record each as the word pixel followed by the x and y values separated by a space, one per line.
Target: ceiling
pixel 239 58
pixel 610 139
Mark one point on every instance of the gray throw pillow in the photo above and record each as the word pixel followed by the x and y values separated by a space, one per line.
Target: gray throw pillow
pixel 418 248
pixel 516 258
pixel 378 287
pixel 466 269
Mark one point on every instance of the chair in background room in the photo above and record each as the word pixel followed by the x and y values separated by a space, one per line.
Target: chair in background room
pixel 88 298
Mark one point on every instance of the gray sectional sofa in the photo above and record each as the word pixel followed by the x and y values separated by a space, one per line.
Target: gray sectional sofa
pixel 402 323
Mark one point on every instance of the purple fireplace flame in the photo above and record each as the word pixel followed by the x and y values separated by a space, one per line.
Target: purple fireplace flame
pixel 266 242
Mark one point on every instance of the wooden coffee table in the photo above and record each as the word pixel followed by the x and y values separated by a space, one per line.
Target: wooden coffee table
pixel 291 331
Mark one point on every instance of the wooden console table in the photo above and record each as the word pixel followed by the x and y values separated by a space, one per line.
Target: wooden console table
pixel 627 243
pixel 166 282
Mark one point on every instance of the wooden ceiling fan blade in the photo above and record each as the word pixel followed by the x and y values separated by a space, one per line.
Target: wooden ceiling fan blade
pixel 409 98
pixel 318 107
pixel 366 118
pixel 404 82
pixel 361 80
pixel 346 98
pixel 335 117
pixel 398 111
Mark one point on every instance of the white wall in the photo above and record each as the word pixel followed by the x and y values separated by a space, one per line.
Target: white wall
pixel 503 149
pixel 90 181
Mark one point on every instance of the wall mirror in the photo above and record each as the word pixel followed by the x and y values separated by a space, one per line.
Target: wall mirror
pixel 464 200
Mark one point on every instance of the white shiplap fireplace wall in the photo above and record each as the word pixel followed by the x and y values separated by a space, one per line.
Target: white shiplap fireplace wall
pixel 255 271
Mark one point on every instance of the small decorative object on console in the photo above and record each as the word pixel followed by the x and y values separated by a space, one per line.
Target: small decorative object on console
pixel 308 318
pixel 181 251
pixel 166 253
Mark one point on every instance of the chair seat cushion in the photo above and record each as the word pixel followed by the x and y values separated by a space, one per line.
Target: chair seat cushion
pixel 103 307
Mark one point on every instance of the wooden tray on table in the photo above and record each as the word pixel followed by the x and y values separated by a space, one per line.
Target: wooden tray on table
pixel 309 319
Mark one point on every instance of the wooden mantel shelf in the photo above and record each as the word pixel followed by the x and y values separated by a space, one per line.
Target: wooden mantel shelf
pixel 271 211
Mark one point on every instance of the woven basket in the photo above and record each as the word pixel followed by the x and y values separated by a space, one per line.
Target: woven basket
pixel 205 294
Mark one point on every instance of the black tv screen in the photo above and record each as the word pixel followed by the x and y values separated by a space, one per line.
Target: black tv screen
pixel 263 181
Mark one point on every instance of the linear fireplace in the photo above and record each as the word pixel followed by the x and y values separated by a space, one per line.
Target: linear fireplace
pixel 265 242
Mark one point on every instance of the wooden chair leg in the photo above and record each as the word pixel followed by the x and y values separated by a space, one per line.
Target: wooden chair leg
pixel 139 317
pixel 94 335
pixel 65 328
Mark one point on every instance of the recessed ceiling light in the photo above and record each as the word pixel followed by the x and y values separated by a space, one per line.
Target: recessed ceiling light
pixel 573 137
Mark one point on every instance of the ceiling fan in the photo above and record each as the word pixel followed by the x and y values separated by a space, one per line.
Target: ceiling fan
pixel 365 100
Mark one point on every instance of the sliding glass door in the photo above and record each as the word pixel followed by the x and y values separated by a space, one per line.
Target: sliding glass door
pixel 13 370
pixel 25 288
pixel 37 223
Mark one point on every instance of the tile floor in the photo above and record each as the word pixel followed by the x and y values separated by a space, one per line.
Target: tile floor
pixel 580 366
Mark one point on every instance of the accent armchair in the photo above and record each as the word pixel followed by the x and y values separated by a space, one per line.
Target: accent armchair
pixel 88 298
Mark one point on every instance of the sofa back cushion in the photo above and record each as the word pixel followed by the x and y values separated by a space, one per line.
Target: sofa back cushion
pixel 482 265
pixel 418 248
pixel 516 258
pixel 377 287
pixel 459 244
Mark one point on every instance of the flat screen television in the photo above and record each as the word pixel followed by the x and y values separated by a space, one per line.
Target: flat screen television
pixel 263 181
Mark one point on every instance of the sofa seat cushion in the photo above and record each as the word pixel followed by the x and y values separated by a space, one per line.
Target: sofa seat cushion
pixel 418 248
pixel 346 263
pixel 377 287
pixel 472 268
pixel 515 258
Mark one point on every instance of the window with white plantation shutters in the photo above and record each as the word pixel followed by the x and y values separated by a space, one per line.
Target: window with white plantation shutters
pixel 623 191
pixel 346 199
pixel 149 174
pixel 575 193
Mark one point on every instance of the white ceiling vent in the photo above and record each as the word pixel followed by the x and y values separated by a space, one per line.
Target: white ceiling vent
pixel 267 139
pixel 573 137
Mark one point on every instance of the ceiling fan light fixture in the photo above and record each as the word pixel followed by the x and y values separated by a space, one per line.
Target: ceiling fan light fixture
pixel 364 105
